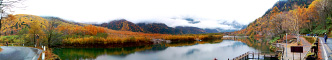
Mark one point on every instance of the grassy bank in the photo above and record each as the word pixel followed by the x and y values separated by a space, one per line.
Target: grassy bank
pixel 60 33
pixel 49 55
pixel 311 40
pixel 311 53
pixel 129 41
pixel 11 39
pixel 109 39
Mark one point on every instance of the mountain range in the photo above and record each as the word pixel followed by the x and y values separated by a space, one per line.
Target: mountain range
pixel 162 28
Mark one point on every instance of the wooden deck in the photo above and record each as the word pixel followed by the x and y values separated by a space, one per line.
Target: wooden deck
pixel 251 55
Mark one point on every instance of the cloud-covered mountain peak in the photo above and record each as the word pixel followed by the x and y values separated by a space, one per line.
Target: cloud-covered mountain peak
pixel 191 20
pixel 233 24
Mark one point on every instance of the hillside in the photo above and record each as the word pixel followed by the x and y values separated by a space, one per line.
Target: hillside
pixel 289 5
pixel 18 22
pixel 211 30
pixel 164 29
pixel 62 20
pixel 190 30
pixel 60 33
pixel 158 28
pixel 292 17
pixel 122 25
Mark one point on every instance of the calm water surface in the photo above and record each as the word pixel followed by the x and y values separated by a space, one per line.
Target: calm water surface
pixel 220 49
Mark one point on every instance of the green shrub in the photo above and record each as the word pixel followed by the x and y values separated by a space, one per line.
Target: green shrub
pixel 310 39
pixel 11 39
pixel 274 39
pixel 103 35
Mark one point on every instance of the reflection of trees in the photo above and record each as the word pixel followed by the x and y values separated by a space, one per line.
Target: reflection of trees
pixel 92 53
pixel 155 48
pixel 193 42
pixel 257 43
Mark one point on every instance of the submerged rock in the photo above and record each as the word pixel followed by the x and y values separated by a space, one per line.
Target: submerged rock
pixel 159 41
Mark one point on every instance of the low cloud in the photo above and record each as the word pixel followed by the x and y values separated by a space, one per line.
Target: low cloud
pixel 163 11
pixel 173 22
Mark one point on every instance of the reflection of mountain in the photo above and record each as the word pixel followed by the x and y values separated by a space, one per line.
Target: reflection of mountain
pixel 92 53
pixel 192 51
pixel 257 43
pixel 155 48
pixel 158 47
pixel 223 50
pixel 179 51
pixel 238 44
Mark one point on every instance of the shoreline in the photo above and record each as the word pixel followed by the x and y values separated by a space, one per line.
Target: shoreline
pixel 132 43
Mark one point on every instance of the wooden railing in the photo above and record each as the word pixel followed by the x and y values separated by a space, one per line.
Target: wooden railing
pixel 251 55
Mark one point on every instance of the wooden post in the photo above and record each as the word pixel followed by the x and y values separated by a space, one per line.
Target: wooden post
pixel 240 58
pixel 234 38
pixel 43 56
pixel 300 56
pixel 248 56
pixel 245 55
pixel 253 55
pixel 258 55
pixel 293 56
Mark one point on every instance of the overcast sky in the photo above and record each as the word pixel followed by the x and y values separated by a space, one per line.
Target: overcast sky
pixel 170 12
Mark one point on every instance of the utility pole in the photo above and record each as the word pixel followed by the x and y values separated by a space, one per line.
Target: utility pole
pixel 286 44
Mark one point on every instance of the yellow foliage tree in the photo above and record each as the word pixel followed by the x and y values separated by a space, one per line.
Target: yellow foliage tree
pixel 35 29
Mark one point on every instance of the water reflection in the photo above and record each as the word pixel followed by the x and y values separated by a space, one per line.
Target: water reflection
pixel 260 44
pixel 92 53
pixel 204 50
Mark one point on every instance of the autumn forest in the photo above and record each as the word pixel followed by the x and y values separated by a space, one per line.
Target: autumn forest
pixel 190 37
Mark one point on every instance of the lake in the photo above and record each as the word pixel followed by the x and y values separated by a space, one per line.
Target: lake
pixel 197 50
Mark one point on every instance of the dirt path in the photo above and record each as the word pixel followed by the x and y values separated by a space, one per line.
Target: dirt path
pixel 289 55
